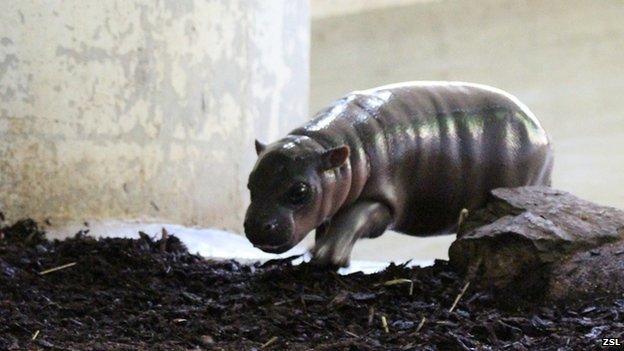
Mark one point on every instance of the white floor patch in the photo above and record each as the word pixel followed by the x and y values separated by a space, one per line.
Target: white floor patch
pixel 210 243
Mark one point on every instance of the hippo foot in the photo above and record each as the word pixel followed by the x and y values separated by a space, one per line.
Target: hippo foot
pixel 327 256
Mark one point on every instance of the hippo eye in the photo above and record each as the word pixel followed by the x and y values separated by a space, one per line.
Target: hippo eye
pixel 298 194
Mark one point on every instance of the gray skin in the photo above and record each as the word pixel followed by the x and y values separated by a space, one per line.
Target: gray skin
pixel 407 157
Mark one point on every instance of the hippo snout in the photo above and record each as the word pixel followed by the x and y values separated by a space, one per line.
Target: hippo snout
pixel 268 234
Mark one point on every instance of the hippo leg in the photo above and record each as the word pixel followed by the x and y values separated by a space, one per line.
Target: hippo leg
pixel 335 240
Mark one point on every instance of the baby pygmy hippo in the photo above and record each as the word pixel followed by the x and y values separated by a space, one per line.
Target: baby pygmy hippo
pixel 407 157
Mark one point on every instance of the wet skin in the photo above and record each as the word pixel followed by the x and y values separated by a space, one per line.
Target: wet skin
pixel 407 157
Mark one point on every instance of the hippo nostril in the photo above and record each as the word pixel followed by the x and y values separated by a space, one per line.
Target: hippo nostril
pixel 269 227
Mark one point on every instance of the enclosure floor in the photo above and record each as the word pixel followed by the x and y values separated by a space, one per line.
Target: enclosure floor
pixel 368 256
pixel 143 294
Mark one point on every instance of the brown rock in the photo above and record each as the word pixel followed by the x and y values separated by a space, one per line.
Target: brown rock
pixel 529 239
pixel 588 273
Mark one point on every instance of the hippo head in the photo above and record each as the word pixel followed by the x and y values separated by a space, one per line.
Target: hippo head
pixel 287 189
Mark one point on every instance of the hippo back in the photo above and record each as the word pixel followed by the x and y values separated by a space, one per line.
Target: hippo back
pixel 429 149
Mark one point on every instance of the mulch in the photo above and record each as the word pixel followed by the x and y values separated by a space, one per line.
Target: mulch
pixel 148 294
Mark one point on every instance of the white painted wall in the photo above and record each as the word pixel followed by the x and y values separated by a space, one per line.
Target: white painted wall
pixel 144 109
pixel 563 58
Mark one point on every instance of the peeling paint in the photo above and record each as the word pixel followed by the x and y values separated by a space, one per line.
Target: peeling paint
pixel 109 107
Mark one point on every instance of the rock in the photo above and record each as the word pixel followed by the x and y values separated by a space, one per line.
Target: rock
pixel 585 273
pixel 539 241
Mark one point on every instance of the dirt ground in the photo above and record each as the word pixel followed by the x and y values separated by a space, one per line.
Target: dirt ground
pixel 146 294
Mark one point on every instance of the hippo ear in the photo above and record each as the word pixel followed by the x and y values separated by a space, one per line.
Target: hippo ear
pixel 335 157
pixel 259 147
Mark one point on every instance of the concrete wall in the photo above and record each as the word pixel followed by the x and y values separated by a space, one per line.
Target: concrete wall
pixel 144 109
pixel 563 58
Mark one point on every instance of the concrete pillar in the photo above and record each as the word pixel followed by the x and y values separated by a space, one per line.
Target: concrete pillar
pixel 144 109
